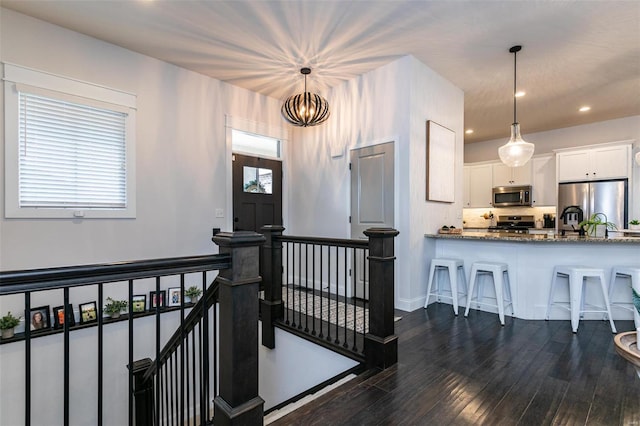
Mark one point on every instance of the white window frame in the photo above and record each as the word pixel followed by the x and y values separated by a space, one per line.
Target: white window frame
pixel 36 82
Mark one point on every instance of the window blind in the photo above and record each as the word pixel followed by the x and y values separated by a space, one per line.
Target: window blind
pixel 71 155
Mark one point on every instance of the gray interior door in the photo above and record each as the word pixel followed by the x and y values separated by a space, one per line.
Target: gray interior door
pixel 372 200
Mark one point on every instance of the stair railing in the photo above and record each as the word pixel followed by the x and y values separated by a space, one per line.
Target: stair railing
pixel 236 288
pixel 214 352
pixel 336 292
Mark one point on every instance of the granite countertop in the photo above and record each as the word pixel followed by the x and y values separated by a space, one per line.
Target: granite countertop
pixel 536 238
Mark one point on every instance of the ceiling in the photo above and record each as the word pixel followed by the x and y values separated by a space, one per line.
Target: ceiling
pixel 574 53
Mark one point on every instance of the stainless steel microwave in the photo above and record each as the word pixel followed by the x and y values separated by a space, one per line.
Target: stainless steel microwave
pixel 510 196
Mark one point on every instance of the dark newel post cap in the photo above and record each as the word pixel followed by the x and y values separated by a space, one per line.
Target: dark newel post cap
pixel 381 232
pixel 238 239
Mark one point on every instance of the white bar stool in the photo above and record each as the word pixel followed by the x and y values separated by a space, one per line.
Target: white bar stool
pixel 500 274
pixel 577 278
pixel 633 274
pixel 455 269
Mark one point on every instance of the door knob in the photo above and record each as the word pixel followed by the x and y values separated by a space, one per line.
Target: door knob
pixel 235 219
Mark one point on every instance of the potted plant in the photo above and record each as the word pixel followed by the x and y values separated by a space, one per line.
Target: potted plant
pixel 193 293
pixel 597 225
pixel 634 225
pixel 7 324
pixel 114 307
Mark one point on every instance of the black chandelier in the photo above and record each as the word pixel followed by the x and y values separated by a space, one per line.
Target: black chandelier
pixel 305 109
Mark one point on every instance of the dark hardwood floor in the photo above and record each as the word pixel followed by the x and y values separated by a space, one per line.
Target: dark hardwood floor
pixel 456 370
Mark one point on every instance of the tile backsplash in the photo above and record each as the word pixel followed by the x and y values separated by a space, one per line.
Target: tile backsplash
pixel 473 218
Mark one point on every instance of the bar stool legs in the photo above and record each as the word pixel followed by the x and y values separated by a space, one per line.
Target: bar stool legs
pixel 633 274
pixel 577 276
pixel 500 273
pixel 455 268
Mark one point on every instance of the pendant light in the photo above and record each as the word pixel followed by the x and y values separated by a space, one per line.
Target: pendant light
pixel 305 109
pixel 517 151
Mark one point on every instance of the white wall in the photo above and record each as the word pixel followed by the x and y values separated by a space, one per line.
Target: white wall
pixel 181 151
pixel 391 103
pixel 621 129
pixel 182 177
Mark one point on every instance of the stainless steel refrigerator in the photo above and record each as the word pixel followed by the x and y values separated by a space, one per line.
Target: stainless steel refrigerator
pixel 608 196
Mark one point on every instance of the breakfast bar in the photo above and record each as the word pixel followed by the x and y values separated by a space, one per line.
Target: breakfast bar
pixel 531 259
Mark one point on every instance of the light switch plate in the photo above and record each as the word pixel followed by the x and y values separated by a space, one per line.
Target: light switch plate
pixel 219 213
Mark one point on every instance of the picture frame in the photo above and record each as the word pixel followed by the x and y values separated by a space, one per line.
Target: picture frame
pixel 59 317
pixel 153 299
pixel 39 318
pixel 88 312
pixel 440 163
pixel 174 296
pixel 139 303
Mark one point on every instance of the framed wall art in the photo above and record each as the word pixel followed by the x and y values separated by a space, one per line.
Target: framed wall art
pixel 174 296
pixel 139 303
pixel 59 317
pixel 88 312
pixel 39 318
pixel 157 299
pixel 440 170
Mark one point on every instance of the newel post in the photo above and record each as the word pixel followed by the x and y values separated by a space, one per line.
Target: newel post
pixel 238 402
pixel 142 393
pixel 381 342
pixel 272 307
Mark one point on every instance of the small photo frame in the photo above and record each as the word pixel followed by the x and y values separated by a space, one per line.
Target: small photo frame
pixel 88 312
pixel 39 318
pixel 156 299
pixel 59 317
pixel 139 303
pixel 174 296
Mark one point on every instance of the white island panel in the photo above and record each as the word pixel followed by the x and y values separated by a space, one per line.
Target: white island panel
pixel 531 263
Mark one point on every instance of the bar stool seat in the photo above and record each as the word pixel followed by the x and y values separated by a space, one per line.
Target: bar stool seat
pixel 500 274
pixel 455 269
pixel 577 278
pixel 633 274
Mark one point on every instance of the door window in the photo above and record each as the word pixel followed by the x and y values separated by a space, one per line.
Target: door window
pixel 257 180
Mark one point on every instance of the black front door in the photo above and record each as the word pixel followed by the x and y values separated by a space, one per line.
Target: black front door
pixel 257 193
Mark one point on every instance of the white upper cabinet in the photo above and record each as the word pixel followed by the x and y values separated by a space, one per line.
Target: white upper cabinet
pixel 477 185
pixel 544 181
pixel 511 176
pixel 605 162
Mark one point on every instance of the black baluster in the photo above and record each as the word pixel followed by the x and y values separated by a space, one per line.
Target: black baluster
pixel 100 350
pixel 329 293
pixel 171 386
pixel 313 290
pixel 215 349
pixel 337 341
pixel 346 253
pixel 293 288
pixel 300 286
pixel 182 351
pixel 202 401
pixel 66 360
pixel 27 359
pixel 355 297
pixel 320 335
pixel 306 288
pixel 130 321
pixel 157 297
pixel 286 277
pixel 205 348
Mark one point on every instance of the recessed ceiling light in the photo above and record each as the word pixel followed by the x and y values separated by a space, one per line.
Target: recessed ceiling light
pixel 520 94
pixel 468 131
pixel 584 108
